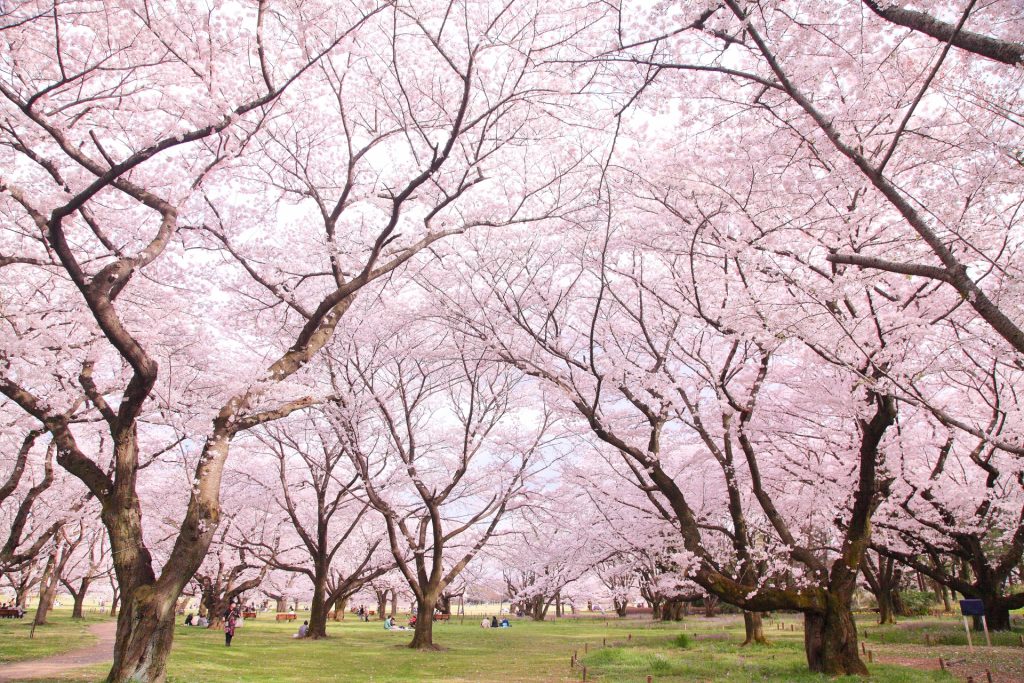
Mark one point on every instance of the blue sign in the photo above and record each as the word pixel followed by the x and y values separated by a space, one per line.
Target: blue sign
pixel 972 608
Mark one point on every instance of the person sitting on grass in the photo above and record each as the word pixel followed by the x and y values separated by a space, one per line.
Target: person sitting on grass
pixel 188 619
pixel 494 622
pixel 505 624
pixel 485 623
pixel 388 623
pixel 303 630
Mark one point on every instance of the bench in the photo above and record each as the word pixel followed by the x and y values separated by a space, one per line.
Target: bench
pixel 248 615
pixel 286 616
pixel 442 617
pixel 11 613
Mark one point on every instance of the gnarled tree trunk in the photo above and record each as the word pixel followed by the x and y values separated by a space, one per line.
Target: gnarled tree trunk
pixel 830 639
pixel 754 629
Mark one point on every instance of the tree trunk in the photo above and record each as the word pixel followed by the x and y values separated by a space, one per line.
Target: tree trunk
pixel 382 603
pixel 423 637
pixel 620 606
pixel 830 639
pixel 672 610
pixel 886 608
pixel 394 603
pixel 656 609
pixel 997 617
pixel 318 608
pixel 145 631
pixel 754 628
pixel 47 590
pixel 78 611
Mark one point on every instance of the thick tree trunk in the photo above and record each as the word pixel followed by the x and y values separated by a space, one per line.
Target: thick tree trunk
pixel 656 609
pixel 830 639
pixel 382 603
pixel 423 637
pixel 145 631
pixel 620 606
pixel 672 610
pixel 886 608
pixel 997 617
pixel 78 611
pixel 754 627
pixel 318 608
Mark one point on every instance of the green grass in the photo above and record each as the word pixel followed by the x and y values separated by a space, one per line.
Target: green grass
pixel 942 631
pixel 613 651
pixel 60 635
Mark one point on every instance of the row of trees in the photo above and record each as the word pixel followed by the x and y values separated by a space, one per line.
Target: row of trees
pixel 410 276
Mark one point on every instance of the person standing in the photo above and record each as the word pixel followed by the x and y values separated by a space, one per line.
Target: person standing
pixel 229 627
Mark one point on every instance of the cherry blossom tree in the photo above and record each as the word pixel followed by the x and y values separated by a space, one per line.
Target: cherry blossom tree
pixel 435 442
pixel 318 491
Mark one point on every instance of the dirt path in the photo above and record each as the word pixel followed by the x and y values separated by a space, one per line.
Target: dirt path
pixel 56 665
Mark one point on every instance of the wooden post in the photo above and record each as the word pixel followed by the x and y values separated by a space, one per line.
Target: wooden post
pixel 871 656
pixel 586 649
pixel 984 625
pixel 584 673
pixel 629 636
pixel 604 642
pixel 988 676
pixel 967 630
pixel 928 639
pixel 649 679
pixel 863 648
pixel 942 663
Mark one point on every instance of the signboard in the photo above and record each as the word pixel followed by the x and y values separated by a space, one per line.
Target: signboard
pixel 972 608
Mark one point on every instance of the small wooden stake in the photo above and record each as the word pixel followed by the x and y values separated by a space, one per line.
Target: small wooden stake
pixel 871 656
pixel 604 642
pixel 942 663
pixel 584 673
pixel 629 636
pixel 984 625
pixel 863 648
pixel 586 648
pixel 649 679
pixel 988 676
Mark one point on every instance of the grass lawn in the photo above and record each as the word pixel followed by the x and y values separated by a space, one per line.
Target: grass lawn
pixel 60 635
pixel 264 651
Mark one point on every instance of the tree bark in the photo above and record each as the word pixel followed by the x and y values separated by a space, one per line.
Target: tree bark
pixel 997 616
pixel 886 608
pixel 754 628
pixel 145 631
pixel 78 611
pixel 318 608
pixel 423 637
pixel 830 639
